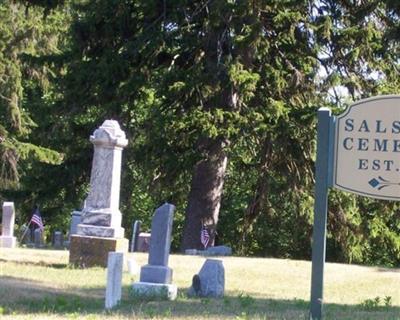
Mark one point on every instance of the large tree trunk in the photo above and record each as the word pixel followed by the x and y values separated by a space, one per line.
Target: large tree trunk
pixel 209 173
pixel 205 195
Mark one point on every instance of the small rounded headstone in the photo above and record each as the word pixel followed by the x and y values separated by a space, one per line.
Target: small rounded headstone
pixel 210 281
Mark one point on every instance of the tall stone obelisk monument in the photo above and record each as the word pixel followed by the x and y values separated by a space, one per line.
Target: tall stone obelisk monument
pixel 100 229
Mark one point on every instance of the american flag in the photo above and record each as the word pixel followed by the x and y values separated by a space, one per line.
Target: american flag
pixel 204 237
pixel 37 219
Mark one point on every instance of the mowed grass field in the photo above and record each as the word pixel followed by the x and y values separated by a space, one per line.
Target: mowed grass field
pixel 39 284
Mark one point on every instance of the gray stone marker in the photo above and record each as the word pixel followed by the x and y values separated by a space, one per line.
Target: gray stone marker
pixel 218 251
pixel 39 241
pixel 156 276
pixel 191 252
pixel 76 217
pixel 135 236
pixel 157 270
pixel 211 251
pixel 101 216
pixel 114 279
pixel 210 282
pixel 99 230
pixel 7 239
pixel 58 240
pixel 143 242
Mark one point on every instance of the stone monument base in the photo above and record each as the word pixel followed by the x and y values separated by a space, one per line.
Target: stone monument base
pixel 155 291
pixel 86 251
pixel 156 274
pixel 8 242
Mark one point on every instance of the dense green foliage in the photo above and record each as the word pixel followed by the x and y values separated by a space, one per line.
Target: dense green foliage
pixel 180 77
pixel 23 36
pixel 27 36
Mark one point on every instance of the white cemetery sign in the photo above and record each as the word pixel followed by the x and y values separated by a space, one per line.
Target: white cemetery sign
pixel 367 148
pixel 359 152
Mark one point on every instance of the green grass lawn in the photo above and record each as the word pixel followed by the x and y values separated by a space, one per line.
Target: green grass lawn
pixel 39 284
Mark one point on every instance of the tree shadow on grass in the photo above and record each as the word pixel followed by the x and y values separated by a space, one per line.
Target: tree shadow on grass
pixel 39 263
pixel 21 296
pixel 13 289
pixel 386 269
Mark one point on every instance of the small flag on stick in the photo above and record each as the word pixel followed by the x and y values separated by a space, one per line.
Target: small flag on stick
pixel 204 237
pixel 37 219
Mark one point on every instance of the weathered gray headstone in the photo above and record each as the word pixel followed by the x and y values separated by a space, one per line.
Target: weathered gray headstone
pixel 157 270
pixel 218 251
pixel 101 216
pixel 135 235
pixel 99 230
pixel 58 240
pixel 156 276
pixel 7 239
pixel 210 281
pixel 211 251
pixel 191 252
pixel 143 242
pixel 114 279
pixel 39 238
pixel 76 217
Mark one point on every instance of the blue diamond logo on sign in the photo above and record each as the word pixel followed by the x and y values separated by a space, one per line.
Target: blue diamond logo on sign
pixel 374 183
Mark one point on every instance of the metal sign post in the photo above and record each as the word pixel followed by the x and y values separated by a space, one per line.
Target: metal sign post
pixel 320 212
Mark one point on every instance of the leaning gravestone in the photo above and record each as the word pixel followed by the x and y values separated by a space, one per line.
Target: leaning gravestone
pixel 7 239
pixel 156 276
pixel 100 229
pixel 114 279
pixel 210 282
